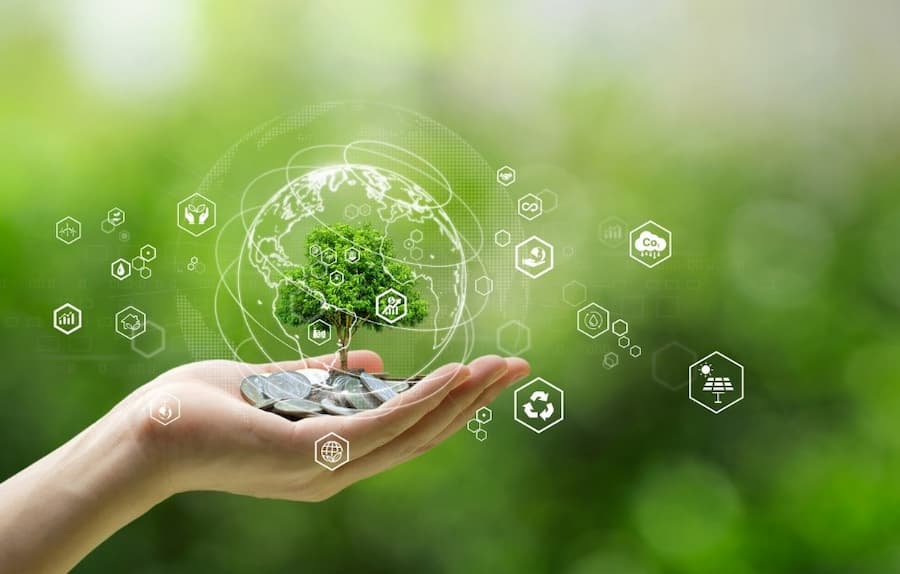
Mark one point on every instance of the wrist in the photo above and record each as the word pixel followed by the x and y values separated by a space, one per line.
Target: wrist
pixel 64 505
pixel 152 446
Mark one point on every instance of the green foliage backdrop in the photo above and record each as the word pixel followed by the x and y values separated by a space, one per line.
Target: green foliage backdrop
pixel 765 138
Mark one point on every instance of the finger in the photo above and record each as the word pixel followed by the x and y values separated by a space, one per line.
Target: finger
pixel 487 373
pixel 370 430
pixel 518 370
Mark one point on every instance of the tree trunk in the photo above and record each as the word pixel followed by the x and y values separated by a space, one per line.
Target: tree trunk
pixel 344 328
pixel 344 352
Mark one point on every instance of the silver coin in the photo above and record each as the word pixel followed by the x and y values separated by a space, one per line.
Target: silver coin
pixel 267 404
pixel 287 385
pixel 340 382
pixel 297 408
pixel 356 395
pixel 379 389
pixel 314 376
pixel 332 408
pixel 252 389
pixel 317 394
pixel 399 386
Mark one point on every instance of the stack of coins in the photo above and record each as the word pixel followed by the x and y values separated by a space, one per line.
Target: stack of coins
pixel 307 393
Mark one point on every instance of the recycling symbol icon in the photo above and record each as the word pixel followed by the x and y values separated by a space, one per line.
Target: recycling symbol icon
pixel 540 397
pixel 539 405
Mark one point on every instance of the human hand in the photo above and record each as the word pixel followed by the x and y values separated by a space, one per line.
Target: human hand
pixel 221 442
pixel 64 505
pixel 190 210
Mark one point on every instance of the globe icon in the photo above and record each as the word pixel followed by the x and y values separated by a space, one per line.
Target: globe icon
pixel 417 184
pixel 402 210
pixel 332 452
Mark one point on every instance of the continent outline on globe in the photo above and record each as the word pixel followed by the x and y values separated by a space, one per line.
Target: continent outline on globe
pixel 396 198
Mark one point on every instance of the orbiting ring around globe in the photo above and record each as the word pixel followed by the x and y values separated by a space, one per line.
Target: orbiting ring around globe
pixel 416 183
pixel 398 207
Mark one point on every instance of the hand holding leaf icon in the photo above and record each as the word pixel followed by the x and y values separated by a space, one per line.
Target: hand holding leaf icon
pixel 196 214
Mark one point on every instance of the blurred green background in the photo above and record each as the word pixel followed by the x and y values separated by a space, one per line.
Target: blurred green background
pixel 764 135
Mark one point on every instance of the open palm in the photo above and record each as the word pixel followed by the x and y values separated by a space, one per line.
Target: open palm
pixel 221 442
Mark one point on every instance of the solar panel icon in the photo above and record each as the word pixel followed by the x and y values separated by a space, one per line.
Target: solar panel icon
pixel 717 386
pixel 716 382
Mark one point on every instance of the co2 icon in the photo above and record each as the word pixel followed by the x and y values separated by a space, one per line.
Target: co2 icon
pixel 651 244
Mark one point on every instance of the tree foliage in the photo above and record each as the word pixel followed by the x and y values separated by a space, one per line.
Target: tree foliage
pixel 347 301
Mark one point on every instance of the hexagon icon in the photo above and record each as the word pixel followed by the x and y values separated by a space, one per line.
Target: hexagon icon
pixel 319 269
pixel 131 323
pixel 530 207
pixel 502 238
pixel 611 232
pixel 148 252
pixel 164 408
pixel 473 425
pixel 68 230
pixel 668 365
pixel 484 285
pixel 539 405
pixel 620 327
pixel 115 217
pixel 390 306
pixel 593 320
pixel 716 382
pixel 152 343
pixel 650 244
pixel 574 293
pixel 506 176
pixel 196 214
pixel 318 332
pixel 67 319
pixel 610 361
pixel 549 200
pixel 351 255
pixel 329 257
pixel 534 257
pixel 514 338
pixel 332 451
pixel 484 415
pixel 120 269
pixel 336 277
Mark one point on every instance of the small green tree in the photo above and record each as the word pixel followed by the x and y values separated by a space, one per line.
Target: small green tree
pixel 349 267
